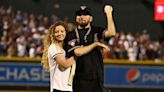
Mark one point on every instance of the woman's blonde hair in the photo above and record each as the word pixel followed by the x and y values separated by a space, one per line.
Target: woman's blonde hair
pixel 48 40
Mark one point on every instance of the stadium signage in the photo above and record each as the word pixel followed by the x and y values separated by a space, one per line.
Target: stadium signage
pixel 130 76
pixel 23 74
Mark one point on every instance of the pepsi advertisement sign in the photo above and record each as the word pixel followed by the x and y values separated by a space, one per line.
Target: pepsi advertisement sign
pixel 130 76
pixel 16 74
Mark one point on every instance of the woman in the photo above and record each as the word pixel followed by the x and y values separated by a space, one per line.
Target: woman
pixel 54 59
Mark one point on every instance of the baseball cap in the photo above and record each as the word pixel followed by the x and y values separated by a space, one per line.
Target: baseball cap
pixel 83 11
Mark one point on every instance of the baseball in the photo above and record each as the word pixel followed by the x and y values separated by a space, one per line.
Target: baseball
pixel 108 8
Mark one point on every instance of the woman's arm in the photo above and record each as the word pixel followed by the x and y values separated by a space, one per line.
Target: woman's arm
pixel 65 63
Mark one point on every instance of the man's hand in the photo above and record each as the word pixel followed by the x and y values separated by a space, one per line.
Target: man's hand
pixel 103 46
pixel 108 9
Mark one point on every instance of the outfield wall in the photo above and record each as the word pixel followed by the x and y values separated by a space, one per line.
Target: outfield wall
pixel 27 74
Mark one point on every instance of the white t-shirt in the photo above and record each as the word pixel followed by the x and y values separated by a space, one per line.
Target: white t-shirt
pixel 58 78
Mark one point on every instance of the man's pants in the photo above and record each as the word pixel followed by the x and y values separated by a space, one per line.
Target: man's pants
pixel 81 85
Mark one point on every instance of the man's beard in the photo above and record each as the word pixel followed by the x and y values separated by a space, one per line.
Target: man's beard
pixel 83 25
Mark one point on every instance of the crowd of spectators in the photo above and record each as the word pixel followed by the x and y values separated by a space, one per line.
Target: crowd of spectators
pixel 138 46
pixel 22 33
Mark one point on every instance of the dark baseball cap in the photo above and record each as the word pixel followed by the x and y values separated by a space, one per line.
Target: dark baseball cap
pixel 83 11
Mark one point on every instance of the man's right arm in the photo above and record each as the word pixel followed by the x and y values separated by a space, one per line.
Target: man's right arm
pixel 74 49
pixel 86 49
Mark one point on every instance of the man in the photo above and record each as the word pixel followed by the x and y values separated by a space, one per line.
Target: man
pixel 89 65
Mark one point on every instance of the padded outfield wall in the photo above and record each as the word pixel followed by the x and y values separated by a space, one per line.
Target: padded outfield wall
pixel 140 76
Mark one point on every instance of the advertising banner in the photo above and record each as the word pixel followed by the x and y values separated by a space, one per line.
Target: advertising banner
pixel 15 74
pixel 159 10
pixel 132 76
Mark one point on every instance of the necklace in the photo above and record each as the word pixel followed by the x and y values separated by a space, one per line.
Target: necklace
pixel 85 36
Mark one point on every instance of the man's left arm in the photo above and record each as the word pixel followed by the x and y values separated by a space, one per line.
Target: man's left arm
pixel 111 30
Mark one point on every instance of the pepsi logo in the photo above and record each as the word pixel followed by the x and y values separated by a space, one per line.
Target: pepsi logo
pixel 133 75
